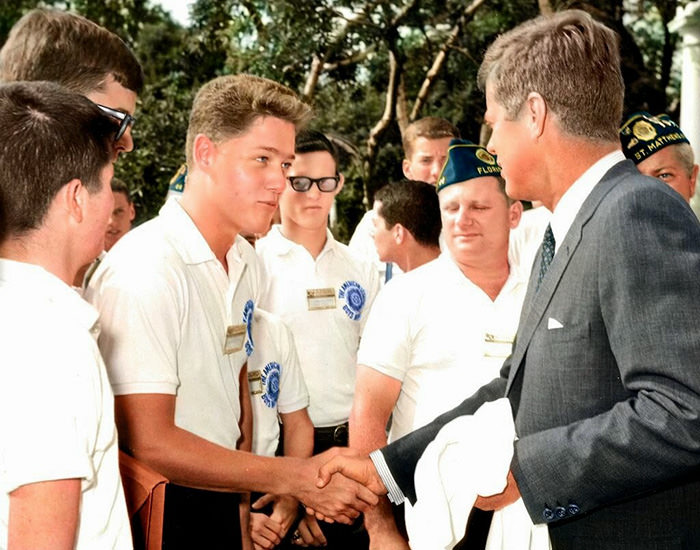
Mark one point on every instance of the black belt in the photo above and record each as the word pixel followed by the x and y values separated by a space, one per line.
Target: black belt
pixel 332 435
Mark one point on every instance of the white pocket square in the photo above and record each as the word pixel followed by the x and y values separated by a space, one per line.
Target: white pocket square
pixel 552 323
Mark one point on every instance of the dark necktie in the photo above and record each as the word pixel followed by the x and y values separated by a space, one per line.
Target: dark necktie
pixel 547 253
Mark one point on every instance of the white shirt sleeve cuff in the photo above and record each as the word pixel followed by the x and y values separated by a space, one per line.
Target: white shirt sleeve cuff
pixel 394 492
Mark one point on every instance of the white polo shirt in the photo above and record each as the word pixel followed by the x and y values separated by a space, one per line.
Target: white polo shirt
pixel 526 238
pixel 174 322
pixel 441 336
pixel 275 380
pixel 324 302
pixel 362 245
pixel 56 405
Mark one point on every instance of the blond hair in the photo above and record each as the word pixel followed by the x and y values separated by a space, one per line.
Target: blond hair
pixel 572 61
pixel 684 156
pixel 226 107
pixel 429 127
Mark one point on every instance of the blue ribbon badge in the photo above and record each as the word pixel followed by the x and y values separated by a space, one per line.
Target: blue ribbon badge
pixel 271 384
pixel 355 297
pixel 248 320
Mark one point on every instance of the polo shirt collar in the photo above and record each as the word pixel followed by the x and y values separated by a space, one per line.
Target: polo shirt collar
pixel 516 274
pixel 187 240
pixel 283 246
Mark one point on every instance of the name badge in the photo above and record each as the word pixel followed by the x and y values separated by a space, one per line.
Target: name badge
pixel 497 345
pixel 320 298
pixel 235 338
pixel 255 382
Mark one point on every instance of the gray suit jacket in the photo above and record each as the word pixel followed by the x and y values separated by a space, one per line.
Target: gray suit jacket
pixel 607 407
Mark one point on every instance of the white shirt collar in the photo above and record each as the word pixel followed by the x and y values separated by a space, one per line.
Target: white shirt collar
pixel 189 241
pixel 570 203
pixel 283 245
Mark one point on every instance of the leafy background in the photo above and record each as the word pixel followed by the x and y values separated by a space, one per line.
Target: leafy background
pixel 368 67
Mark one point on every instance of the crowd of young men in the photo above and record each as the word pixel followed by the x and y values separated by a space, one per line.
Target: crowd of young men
pixel 204 342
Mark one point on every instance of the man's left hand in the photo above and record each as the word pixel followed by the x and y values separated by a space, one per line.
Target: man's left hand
pixel 495 502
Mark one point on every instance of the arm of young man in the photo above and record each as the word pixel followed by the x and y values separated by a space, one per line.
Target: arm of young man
pixel 375 397
pixel 309 529
pixel 44 515
pixel 132 307
pixel 146 424
pixel 268 531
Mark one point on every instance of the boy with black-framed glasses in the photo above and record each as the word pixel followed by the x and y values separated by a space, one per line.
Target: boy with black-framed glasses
pixel 323 292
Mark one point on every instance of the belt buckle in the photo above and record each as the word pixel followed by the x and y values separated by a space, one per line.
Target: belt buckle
pixel 340 433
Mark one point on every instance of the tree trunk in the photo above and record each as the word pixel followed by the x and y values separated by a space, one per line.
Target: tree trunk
pixel 545 7
pixel 441 57
pixel 381 126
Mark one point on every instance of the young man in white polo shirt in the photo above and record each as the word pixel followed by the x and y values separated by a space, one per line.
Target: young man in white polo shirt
pixel 177 298
pixel 425 144
pixel 321 291
pixel 445 328
pixel 59 475
pixel 407 224
pixel 279 396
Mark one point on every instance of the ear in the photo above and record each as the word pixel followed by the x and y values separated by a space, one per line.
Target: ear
pixel 341 182
pixel 399 233
pixel 515 212
pixel 536 112
pixel 73 198
pixel 406 167
pixel 693 179
pixel 203 151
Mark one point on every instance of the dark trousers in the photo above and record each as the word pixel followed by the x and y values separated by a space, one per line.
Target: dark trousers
pixel 338 535
pixel 195 518
pixel 477 531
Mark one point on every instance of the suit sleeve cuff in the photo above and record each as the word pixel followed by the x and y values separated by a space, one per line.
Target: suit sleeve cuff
pixel 394 492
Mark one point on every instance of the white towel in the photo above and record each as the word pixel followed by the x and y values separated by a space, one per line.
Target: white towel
pixel 512 529
pixel 470 456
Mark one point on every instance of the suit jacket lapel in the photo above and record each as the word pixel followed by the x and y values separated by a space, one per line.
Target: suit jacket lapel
pixel 536 302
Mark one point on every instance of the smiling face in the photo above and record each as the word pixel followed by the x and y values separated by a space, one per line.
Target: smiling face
pixel 667 166
pixel 476 219
pixel 117 97
pixel 309 209
pixel 427 159
pixel 246 175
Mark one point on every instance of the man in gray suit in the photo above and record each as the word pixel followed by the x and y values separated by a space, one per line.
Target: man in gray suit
pixel 604 378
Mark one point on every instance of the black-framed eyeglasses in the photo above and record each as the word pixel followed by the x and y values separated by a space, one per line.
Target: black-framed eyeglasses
pixel 304 183
pixel 125 119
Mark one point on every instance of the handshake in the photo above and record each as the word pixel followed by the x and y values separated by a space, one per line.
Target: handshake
pixel 346 484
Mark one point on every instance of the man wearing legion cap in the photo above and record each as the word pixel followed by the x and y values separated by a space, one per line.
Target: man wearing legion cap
pixel 442 330
pixel 660 149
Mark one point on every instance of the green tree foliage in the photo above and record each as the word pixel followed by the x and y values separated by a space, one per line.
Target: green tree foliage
pixel 368 67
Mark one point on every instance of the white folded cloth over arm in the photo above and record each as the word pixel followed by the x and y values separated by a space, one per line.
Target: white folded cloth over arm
pixel 470 456
pixel 512 529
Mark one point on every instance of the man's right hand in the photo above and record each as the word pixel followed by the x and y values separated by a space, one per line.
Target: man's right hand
pixel 351 465
pixel 341 498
